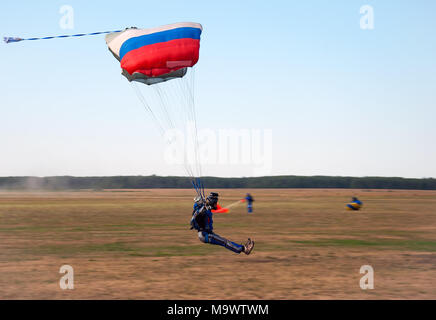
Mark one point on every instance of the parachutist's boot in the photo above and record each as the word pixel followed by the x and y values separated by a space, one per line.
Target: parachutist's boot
pixel 248 246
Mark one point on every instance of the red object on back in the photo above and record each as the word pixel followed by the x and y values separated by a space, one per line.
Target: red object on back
pixel 220 209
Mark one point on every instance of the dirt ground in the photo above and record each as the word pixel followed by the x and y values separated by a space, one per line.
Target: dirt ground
pixel 136 244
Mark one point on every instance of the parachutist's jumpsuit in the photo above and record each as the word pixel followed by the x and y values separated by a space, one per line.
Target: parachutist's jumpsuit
pixel 203 223
pixel 357 201
pixel 355 204
pixel 249 200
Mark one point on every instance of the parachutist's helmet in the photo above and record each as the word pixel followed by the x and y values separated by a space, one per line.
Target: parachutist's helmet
pixel 212 200
pixel 354 199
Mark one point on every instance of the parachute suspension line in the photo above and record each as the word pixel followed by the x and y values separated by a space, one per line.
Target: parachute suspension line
pixel 186 88
pixel 164 97
pixel 172 106
pixel 17 39
pixel 187 119
pixel 197 147
pixel 199 188
pixel 146 106
pixel 183 120
pixel 202 187
pixel 164 102
pixel 183 93
pixel 192 104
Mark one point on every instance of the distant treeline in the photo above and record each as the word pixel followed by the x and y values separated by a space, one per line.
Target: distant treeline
pixel 147 182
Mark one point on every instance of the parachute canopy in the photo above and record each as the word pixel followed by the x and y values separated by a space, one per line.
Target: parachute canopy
pixel 157 54
pixel 154 56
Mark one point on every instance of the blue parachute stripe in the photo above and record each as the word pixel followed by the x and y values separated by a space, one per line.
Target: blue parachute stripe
pixel 158 37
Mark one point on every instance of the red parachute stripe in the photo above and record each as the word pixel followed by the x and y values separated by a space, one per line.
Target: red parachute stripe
pixel 160 58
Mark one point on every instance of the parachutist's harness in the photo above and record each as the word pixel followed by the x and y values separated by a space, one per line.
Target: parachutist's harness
pixel 202 215
pixel 197 220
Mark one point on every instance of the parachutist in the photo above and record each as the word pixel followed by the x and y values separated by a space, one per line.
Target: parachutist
pixel 250 201
pixel 355 204
pixel 202 222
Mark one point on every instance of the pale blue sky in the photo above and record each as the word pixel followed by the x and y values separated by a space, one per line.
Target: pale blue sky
pixel 339 100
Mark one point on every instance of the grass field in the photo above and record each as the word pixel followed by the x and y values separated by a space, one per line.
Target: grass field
pixel 136 244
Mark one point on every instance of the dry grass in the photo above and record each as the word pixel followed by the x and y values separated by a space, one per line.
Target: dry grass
pixel 136 244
